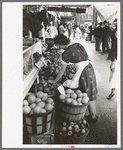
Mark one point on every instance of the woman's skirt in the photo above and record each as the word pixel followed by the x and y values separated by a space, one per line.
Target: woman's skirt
pixel 87 82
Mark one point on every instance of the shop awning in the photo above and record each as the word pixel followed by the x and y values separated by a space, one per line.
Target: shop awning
pixel 106 12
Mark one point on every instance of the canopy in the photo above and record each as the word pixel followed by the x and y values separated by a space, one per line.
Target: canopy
pixel 106 12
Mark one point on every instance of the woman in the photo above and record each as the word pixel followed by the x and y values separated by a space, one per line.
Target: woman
pixel 84 78
pixel 113 68
pixel 61 38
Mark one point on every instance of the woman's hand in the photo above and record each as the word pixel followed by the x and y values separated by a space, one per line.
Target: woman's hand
pixel 51 81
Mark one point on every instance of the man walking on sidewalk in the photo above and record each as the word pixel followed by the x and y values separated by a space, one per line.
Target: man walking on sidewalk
pixel 98 32
pixel 105 38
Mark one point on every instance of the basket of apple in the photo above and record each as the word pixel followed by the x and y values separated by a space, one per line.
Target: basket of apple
pixel 38 112
pixel 71 132
pixel 72 106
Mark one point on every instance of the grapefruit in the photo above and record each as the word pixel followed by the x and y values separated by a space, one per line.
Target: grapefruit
pixel 25 103
pixel 40 94
pixel 31 98
pixel 41 104
pixel 85 100
pixel 26 109
pixel 37 109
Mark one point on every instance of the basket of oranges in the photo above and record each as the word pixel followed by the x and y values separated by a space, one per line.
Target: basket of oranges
pixel 38 113
pixel 71 132
pixel 72 106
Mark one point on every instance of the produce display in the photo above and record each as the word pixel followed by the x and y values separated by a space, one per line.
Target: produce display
pixel 72 129
pixel 74 97
pixel 37 103
pixel 27 42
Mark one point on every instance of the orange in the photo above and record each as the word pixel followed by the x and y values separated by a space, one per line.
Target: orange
pixel 26 109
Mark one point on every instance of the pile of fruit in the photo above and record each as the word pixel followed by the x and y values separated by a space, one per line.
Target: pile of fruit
pixel 74 97
pixel 37 103
pixel 48 88
pixel 27 42
pixel 72 129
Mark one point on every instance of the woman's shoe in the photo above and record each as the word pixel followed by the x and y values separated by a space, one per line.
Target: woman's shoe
pixel 110 96
pixel 89 119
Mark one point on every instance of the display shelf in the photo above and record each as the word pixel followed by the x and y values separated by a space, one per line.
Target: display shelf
pixel 29 66
pixel 29 80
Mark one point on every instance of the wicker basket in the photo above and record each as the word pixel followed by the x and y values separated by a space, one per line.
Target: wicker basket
pixel 71 112
pixel 40 123
pixel 61 139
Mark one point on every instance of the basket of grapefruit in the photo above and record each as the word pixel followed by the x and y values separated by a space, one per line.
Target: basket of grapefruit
pixel 72 106
pixel 38 113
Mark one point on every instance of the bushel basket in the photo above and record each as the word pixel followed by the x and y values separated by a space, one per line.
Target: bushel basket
pixel 61 139
pixel 38 123
pixel 70 112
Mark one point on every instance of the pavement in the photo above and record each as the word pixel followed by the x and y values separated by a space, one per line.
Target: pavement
pixel 104 131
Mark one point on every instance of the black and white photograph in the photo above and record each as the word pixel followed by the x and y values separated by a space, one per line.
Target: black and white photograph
pixel 70 75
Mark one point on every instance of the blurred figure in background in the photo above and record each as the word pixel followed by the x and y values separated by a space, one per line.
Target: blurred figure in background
pixel 98 33
pixel 82 28
pixel 105 38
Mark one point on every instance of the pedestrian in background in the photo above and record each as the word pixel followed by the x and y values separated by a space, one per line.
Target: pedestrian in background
pixel 106 38
pixel 98 33
pixel 113 66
